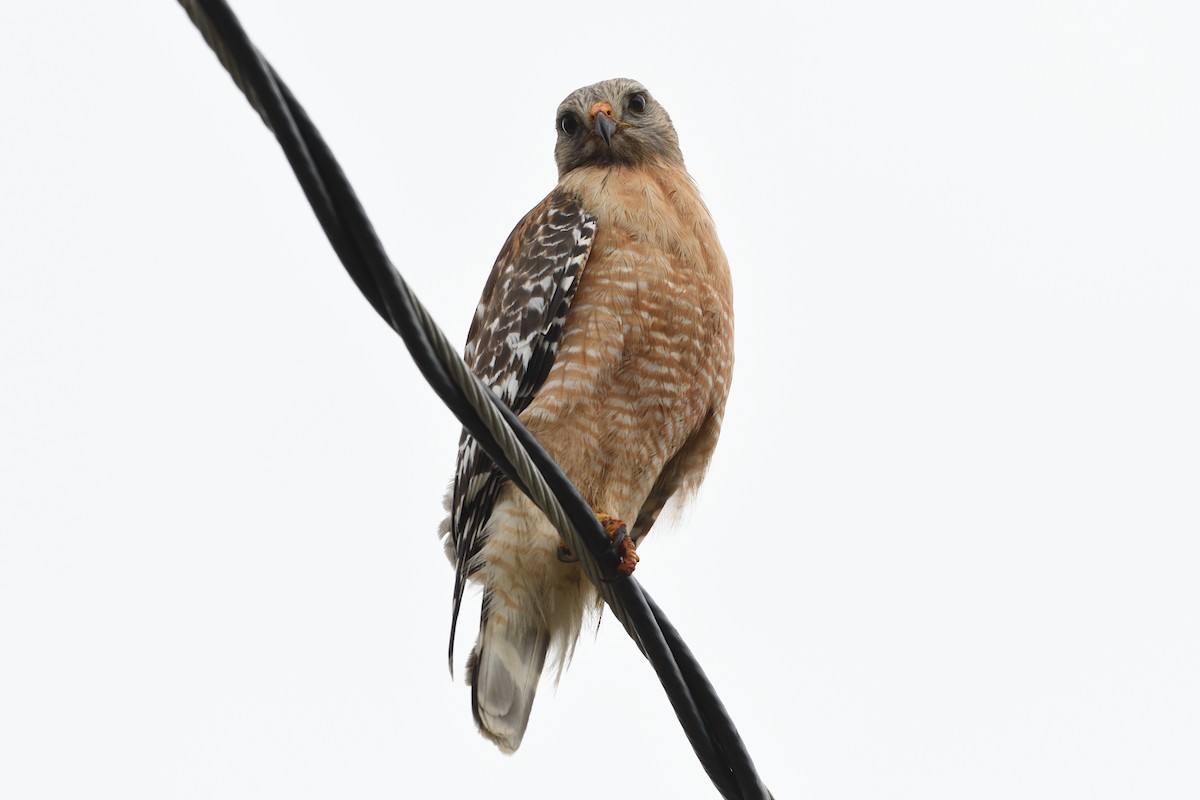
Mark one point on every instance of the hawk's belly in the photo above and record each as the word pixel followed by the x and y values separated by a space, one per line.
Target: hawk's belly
pixel 635 376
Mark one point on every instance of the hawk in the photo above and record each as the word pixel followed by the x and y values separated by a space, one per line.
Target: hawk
pixel 606 324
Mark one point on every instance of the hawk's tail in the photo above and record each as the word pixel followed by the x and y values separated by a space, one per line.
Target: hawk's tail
pixel 503 671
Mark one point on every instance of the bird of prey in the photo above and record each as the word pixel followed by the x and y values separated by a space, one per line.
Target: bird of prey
pixel 606 324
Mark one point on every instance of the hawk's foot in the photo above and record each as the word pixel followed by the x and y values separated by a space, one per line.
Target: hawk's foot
pixel 616 531
pixel 622 543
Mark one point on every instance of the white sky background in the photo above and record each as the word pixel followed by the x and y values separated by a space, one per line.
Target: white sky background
pixel 949 544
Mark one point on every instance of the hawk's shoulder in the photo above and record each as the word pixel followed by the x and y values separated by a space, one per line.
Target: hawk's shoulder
pixel 518 322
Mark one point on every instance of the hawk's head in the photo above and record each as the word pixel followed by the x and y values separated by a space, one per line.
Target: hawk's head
pixel 614 123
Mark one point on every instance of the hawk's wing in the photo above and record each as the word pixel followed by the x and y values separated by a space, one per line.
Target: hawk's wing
pixel 511 347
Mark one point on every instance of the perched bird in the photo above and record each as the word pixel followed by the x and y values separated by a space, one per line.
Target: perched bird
pixel 607 326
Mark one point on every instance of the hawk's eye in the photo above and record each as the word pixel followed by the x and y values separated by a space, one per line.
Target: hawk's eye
pixel 569 124
pixel 637 103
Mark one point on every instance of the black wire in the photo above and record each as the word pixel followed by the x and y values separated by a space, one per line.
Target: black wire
pixel 728 740
pixel 701 714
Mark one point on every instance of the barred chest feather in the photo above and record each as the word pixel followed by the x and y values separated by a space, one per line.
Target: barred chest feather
pixel 647 348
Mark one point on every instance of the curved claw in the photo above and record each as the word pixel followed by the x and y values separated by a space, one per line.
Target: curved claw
pixel 622 543
pixel 622 547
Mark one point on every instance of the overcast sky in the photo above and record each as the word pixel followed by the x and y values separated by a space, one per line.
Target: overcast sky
pixel 949 544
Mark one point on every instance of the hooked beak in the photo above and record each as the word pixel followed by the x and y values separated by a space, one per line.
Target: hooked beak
pixel 603 123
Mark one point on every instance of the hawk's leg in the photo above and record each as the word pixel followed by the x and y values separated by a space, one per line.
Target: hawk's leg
pixel 616 531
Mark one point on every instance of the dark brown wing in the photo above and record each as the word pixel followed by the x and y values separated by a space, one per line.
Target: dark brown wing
pixel 511 347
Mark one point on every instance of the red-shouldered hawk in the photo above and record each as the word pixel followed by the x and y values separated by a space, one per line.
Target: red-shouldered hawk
pixel 607 325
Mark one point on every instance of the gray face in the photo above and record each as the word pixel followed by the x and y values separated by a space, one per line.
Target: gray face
pixel 636 130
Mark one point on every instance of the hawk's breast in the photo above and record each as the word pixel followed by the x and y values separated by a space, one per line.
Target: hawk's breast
pixel 646 353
